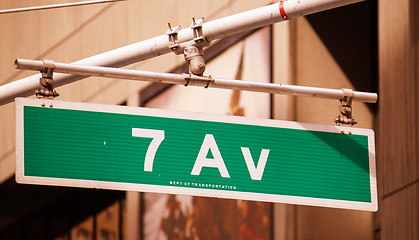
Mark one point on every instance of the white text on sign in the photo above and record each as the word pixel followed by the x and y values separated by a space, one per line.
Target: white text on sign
pixel 208 144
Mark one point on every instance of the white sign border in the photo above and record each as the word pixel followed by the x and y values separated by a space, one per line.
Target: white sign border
pixel 21 178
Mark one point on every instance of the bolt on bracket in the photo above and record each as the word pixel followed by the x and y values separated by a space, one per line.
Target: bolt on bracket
pixel 345 116
pixel 197 30
pixel 172 32
pixel 46 82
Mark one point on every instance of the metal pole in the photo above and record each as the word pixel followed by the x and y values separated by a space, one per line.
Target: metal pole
pixel 60 5
pixel 185 79
pixel 161 45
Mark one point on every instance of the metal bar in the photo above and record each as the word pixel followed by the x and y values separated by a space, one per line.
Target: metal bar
pixel 184 79
pixel 160 45
pixel 59 5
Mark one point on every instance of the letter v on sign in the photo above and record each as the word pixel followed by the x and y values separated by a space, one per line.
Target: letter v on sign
pixel 256 173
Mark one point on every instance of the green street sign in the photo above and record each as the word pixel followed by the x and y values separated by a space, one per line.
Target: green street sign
pixel 152 150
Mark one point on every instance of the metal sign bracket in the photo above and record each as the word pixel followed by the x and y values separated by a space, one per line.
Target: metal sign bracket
pixel 193 51
pixel 197 30
pixel 345 116
pixel 173 36
pixel 46 82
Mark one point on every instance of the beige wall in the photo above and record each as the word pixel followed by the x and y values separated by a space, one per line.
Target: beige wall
pixel 398 141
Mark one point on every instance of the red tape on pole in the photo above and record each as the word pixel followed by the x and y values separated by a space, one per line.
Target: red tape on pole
pixel 282 11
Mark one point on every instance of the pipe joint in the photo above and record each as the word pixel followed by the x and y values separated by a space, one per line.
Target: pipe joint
pixel 195 57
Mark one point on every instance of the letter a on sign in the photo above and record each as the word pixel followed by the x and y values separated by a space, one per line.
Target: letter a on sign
pixel 216 162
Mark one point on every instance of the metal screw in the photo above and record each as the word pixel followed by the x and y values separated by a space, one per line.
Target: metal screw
pixel 50 105
pixel 43 104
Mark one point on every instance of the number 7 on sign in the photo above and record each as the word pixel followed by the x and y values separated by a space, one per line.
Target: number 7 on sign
pixel 157 136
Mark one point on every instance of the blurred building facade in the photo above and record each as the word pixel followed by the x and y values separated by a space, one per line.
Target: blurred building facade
pixel 370 46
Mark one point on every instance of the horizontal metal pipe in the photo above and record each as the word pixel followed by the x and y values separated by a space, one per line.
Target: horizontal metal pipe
pixel 59 5
pixel 160 45
pixel 184 79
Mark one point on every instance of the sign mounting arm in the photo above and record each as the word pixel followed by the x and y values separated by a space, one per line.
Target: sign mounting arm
pixel 200 81
pixel 156 46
